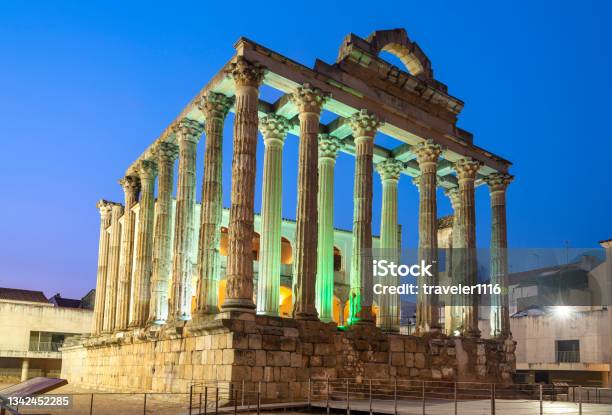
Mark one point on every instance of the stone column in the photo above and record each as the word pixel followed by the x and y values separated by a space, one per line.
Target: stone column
pixel 389 171
pixel 427 312
pixel 131 188
pixel 112 270
pixel 364 126
pixel 452 262
pixel 105 219
pixel 309 101
pixel 166 154
pixel 274 130
pixel 239 294
pixel 188 134
pixel 324 301
pixel 25 367
pixel 214 107
pixel 141 297
pixel 500 313
pixel 466 173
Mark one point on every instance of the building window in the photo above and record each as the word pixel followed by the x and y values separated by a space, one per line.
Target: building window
pixel 567 351
pixel 42 341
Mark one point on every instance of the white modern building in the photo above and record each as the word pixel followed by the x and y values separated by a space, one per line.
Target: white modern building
pixel 32 329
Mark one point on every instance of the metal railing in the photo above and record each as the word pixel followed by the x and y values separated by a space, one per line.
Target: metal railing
pixel 36 346
pixel 571 356
pixel 410 397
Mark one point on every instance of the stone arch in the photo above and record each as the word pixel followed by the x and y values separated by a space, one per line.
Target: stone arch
pixel 397 43
pixel 286 251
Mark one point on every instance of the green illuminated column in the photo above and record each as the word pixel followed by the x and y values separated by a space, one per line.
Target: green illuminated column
pixel 274 130
pixel 500 318
pixel 310 101
pixel 427 305
pixel 112 273
pixel 143 265
pixel 105 220
pixel 166 155
pixel 389 170
pixel 328 148
pixel 364 126
pixel 239 292
pixel 214 107
pixel 188 134
pixel 466 174
pixel 131 188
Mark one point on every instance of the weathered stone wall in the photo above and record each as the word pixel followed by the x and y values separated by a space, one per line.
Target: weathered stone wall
pixel 282 354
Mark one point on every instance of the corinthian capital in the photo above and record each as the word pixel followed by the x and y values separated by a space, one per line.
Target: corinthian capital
pixel 309 98
pixel 328 146
pixel 453 195
pixel 390 169
pixel 427 152
pixel 467 168
pixel 105 207
pixel 214 105
pixel 166 152
pixel 130 184
pixel 364 124
pixel 147 170
pixel 498 181
pixel 274 126
pixel 246 73
pixel 188 130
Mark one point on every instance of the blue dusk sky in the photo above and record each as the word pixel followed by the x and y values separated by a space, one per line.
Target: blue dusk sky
pixel 85 86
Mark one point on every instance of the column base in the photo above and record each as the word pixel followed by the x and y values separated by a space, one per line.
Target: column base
pixel 238 304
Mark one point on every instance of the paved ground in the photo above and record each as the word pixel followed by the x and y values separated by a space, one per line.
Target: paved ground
pixel 177 404
pixel 472 407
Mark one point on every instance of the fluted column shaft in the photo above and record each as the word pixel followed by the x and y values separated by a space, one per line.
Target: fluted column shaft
pixel 389 170
pixel 99 305
pixel 143 266
pixel 131 187
pixel 187 135
pixel 114 254
pixel 166 155
pixel 466 174
pixel 427 314
pixel 364 126
pixel 274 129
pixel 309 101
pixel 453 263
pixel 239 292
pixel 500 313
pixel 324 301
pixel 214 107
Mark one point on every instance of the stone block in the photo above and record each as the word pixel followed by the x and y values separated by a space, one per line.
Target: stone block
pixel 255 341
pixel 288 344
pixel 290 332
pixel 278 358
pixel 409 359
pixel 419 360
pixel 296 360
pixel 322 349
pixel 397 358
pixel 410 345
pixel 260 357
pixel 271 342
